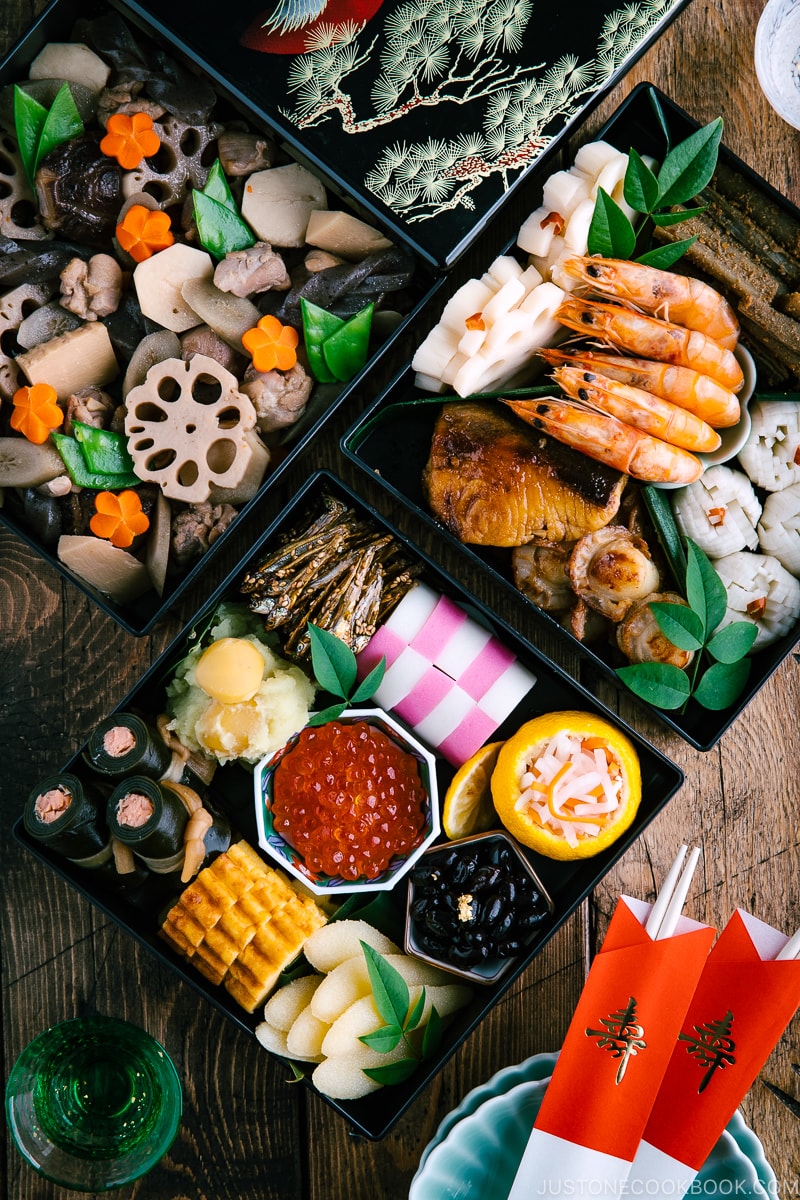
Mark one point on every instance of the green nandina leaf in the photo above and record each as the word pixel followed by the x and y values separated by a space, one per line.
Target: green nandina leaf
pixel 415 1016
pixel 658 113
pixel 610 232
pixel 659 684
pixel 370 683
pixel 383 1040
pixel 389 988
pixel 722 683
pixel 678 623
pixel 63 122
pixel 333 661
pixel 327 714
pixel 688 167
pixel 29 119
pixel 396 1072
pixel 433 1034
pixel 733 642
pixel 675 218
pixel 640 187
pixel 705 591
pixel 664 257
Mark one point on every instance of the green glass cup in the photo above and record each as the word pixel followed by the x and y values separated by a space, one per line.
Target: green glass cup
pixel 93 1103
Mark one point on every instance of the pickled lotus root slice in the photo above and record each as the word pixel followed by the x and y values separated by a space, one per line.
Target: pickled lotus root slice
pixel 15 306
pixel 184 159
pixel 18 213
pixel 191 431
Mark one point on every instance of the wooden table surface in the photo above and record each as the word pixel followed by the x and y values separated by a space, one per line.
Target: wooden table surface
pixel 247 1133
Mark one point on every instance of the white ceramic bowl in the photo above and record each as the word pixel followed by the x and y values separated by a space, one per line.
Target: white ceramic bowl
pixel 276 846
pixel 777 58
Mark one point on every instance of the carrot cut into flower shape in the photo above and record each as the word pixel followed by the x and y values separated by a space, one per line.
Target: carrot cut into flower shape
pixel 36 412
pixel 272 345
pixel 129 139
pixel 119 517
pixel 144 231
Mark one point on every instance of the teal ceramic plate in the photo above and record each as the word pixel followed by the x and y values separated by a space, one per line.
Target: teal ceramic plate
pixel 477 1148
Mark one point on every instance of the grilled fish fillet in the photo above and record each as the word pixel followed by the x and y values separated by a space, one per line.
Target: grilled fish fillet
pixel 493 481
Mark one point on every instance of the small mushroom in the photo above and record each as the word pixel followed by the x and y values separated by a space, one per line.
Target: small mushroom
pixel 611 568
pixel 79 192
pixel 205 340
pixel 92 289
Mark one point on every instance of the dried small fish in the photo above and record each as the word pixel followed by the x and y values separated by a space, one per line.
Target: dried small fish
pixel 336 572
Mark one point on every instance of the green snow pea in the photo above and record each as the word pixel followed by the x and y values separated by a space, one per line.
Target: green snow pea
pixel 220 228
pixel 105 452
pixel 83 476
pixel 345 351
pixel 336 348
pixel 318 325
pixel 39 130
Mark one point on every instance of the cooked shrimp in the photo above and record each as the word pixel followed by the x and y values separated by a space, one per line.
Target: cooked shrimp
pixel 639 408
pixel 700 394
pixel 678 298
pixel 650 337
pixel 609 441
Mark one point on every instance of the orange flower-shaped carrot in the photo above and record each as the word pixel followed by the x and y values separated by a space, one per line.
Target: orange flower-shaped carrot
pixel 272 345
pixel 144 231
pixel 118 517
pixel 129 139
pixel 36 412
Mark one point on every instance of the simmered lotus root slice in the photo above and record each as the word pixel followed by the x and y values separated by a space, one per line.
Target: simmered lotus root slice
pixel 15 306
pixel 18 214
pixel 190 429
pixel 184 158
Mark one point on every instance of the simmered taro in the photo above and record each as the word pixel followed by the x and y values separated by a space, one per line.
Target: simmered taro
pixel 474 903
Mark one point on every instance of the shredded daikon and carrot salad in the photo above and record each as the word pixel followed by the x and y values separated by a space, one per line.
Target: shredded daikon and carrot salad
pixel 571 780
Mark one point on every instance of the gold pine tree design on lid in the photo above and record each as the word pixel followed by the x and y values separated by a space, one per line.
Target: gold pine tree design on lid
pixel 712 1046
pixel 623 1036
pixel 457 53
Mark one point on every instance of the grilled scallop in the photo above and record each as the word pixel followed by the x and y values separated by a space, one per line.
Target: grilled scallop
pixel 640 639
pixel 611 568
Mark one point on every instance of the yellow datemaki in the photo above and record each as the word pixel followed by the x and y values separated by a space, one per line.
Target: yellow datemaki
pixel 567 784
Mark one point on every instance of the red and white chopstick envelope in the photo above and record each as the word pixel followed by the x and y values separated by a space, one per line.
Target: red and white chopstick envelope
pixel 744 1000
pixel 615 1053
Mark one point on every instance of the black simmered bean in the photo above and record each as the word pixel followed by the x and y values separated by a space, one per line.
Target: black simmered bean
pixel 473 904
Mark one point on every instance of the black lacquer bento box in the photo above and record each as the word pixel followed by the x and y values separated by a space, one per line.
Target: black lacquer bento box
pixel 567 883
pixel 418 282
pixel 430 113
pixel 371 442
